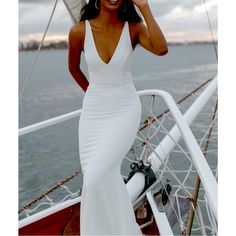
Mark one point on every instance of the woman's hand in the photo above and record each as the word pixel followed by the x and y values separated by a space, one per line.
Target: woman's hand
pixel 150 35
pixel 140 3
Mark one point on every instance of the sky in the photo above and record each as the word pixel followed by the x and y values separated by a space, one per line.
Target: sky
pixel 180 20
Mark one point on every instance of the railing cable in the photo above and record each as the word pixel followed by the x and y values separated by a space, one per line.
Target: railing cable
pixel 212 34
pixel 38 50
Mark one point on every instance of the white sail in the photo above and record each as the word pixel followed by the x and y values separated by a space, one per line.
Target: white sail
pixel 74 7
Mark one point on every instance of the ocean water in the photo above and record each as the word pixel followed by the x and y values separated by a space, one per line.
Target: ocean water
pixel 50 154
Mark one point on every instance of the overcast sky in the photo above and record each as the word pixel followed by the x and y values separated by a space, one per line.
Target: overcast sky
pixel 180 20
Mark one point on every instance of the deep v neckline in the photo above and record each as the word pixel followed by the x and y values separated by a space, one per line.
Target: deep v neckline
pixel 116 48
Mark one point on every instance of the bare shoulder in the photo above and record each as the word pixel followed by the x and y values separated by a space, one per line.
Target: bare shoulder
pixel 77 31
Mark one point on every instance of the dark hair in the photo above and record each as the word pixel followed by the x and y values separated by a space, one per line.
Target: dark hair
pixel 126 12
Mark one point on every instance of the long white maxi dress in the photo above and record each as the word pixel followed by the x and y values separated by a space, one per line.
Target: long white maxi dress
pixel 110 118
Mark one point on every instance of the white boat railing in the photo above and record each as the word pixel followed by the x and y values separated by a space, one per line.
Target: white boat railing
pixel 49 122
pixel 160 217
pixel 207 178
pixel 181 129
pixel 47 212
pixel 195 109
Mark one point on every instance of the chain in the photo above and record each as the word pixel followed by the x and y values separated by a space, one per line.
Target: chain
pixel 147 121
pixel 59 184
pixel 67 179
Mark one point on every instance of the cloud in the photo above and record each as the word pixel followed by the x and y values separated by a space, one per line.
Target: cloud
pixel 177 18
pixel 160 8
pixel 32 2
pixel 188 22
pixel 34 18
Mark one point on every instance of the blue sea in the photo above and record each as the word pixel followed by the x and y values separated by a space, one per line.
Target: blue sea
pixel 47 156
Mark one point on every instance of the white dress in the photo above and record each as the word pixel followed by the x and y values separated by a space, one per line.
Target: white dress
pixel 110 118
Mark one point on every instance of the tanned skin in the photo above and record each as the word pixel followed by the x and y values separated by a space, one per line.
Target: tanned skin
pixel 107 28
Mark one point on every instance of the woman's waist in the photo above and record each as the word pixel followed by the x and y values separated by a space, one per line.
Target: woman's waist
pixel 112 104
pixel 120 95
pixel 111 78
pixel 111 86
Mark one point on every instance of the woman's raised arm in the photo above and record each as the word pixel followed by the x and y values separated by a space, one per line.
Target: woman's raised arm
pixel 150 37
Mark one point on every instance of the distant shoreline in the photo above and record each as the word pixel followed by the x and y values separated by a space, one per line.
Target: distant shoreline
pixel 34 45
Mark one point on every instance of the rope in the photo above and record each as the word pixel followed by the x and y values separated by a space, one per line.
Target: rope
pixel 212 35
pixel 147 123
pixel 50 190
pixel 156 154
pixel 38 50
pixel 179 102
pixel 198 181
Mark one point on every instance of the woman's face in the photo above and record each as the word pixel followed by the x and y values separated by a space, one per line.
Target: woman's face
pixel 111 4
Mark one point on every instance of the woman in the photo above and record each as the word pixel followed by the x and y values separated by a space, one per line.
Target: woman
pixel 108 33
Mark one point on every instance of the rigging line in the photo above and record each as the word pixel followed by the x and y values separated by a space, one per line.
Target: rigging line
pixel 38 50
pixel 190 219
pixel 210 26
pixel 163 162
pixel 56 186
pixel 145 123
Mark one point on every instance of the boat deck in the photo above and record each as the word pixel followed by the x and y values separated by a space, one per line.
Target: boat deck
pixel 66 222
